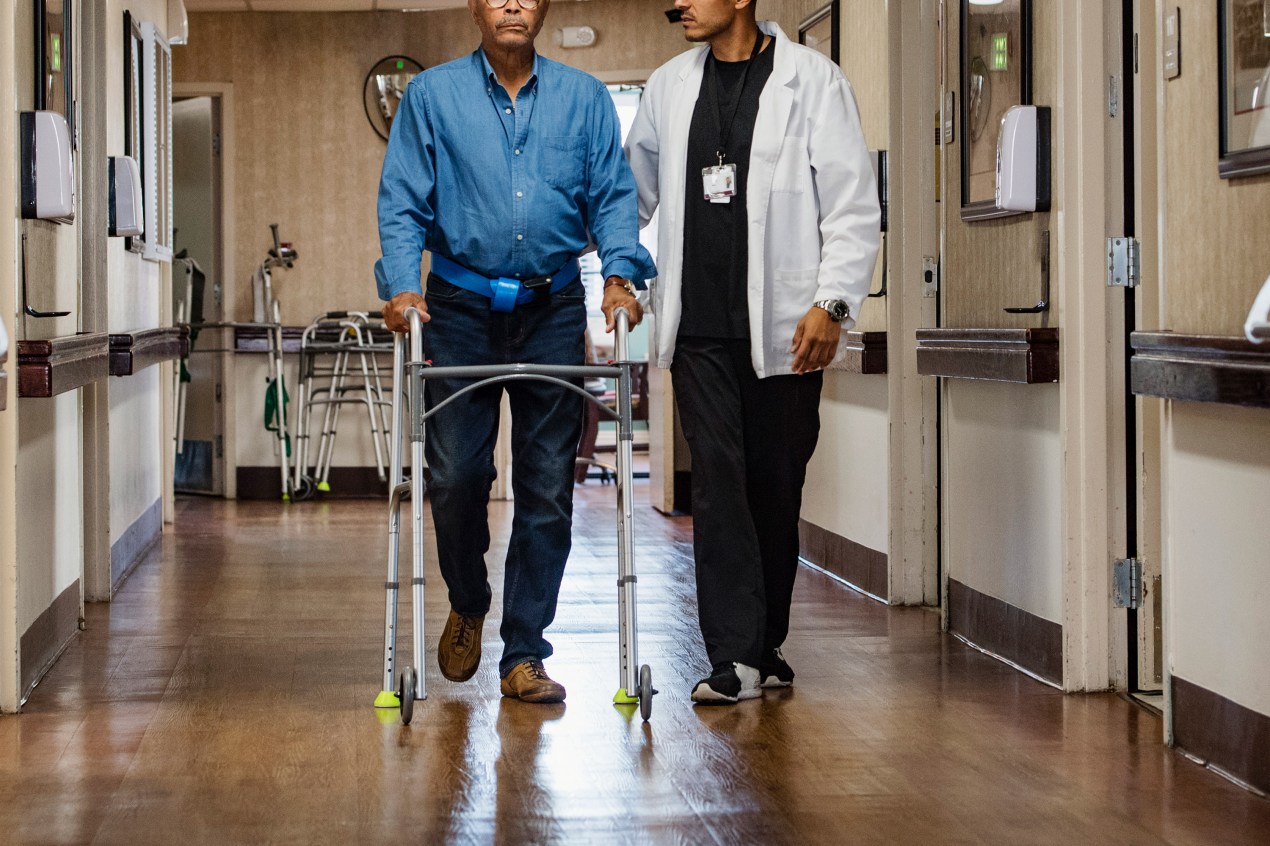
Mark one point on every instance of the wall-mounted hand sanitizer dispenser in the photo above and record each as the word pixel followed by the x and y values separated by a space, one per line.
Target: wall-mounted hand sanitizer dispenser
pixel 126 214
pixel 1023 160
pixel 1257 327
pixel 48 179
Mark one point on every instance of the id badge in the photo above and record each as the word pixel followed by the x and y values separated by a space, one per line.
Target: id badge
pixel 719 182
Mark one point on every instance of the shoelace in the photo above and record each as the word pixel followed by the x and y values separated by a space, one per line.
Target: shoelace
pixel 536 671
pixel 463 632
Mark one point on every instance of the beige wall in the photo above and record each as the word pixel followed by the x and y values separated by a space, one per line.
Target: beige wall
pixel 847 481
pixel 1003 498
pixel 307 158
pixel 1216 252
pixel 139 434
pixel 1218 582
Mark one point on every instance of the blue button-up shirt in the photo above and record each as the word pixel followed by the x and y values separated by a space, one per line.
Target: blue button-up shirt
pixel 510 189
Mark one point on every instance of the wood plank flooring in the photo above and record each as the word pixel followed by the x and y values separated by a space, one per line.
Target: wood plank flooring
pixel 225 696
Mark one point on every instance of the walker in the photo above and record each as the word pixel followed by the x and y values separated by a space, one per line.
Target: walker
pixel 401 691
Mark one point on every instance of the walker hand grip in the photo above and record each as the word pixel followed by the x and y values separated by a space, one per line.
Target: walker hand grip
pixel 622 319
pixel 277 245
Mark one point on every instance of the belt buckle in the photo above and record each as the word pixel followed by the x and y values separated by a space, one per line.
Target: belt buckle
pixel 504 292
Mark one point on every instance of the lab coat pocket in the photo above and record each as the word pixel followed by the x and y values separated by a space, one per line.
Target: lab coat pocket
pixel 793 167
pixel 563 161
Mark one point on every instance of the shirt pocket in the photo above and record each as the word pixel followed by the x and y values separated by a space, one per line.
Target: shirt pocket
pixel 564 161
pixel 793 167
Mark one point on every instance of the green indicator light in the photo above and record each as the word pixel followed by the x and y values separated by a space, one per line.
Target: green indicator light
pixel 1000 52
pixel 55 43
pixel 400 64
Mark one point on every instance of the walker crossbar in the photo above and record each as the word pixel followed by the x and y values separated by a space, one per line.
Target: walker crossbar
pixel 407 398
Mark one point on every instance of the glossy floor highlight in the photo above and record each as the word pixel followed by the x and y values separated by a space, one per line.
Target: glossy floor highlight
pixel 225 697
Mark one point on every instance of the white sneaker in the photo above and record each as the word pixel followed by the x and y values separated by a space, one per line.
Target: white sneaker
pixel 728 684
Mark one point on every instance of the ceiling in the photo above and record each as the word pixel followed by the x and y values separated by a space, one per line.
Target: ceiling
pixel 320 5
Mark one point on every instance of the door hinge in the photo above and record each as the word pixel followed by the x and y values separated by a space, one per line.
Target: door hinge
pixel 1124 267
pixel 220 446
pixel 1113 96
pixel 1126 583
pixel 216 144
pixel 218 390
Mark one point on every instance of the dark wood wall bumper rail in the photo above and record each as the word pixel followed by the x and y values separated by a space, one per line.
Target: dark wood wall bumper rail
pixel 55 366
pixel 256 339
pixel 1200 368
pixel 132 352
pixel 864 352
pixel 1024 356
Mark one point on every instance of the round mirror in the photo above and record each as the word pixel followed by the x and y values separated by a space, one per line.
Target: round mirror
pixel 385 86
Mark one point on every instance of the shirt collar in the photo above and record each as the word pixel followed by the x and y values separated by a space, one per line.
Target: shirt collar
pixel 492 78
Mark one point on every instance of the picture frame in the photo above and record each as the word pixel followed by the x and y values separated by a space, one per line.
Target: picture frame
pixel 134 109
pixel 1243 61
pixel 54 61
pixel 156 116
pixel 821 31
pixel 995 73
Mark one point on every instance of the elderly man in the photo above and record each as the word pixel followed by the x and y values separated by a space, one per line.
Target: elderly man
pixel 769 232
pixel 505 166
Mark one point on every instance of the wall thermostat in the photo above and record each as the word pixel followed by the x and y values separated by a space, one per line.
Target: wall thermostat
pixel 575 36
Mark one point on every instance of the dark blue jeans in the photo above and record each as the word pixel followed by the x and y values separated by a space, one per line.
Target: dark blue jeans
pixel 546 424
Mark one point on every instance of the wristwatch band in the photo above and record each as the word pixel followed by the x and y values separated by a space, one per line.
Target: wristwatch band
pixel 837 309
pixel 618 282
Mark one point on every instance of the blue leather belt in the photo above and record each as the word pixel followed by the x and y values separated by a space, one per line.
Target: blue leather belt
pixel 504 294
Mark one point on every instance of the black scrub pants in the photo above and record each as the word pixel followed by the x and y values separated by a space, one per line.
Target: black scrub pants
pixel 750 440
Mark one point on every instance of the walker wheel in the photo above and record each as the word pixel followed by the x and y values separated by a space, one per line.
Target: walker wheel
pixel 646 692
pixel 406 693
pixel 303 490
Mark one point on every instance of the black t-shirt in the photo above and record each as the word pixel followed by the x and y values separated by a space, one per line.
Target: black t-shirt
pixel 716 235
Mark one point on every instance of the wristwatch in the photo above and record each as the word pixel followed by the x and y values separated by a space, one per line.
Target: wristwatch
pixel 622 283
pixel 838 310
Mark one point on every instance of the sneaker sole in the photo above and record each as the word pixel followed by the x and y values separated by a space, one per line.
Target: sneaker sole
pixel 708 696
pixel 773 681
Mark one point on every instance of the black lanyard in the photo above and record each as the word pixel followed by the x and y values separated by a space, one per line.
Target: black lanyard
pixel 725 135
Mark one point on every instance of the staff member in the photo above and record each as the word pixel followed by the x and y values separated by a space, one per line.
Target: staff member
pixel 769 232
pixel 505 165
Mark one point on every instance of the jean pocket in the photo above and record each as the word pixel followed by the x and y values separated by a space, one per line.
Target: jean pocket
pixel 563 161
pixel 439 289
pixel 574 292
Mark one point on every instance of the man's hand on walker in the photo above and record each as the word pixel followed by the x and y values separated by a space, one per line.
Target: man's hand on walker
pixel 395 311
pixel 617 295
pixel 815 341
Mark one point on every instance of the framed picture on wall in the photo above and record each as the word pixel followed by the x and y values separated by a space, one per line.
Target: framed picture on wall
pixel 996 73
pixel 133 108
pixel 156 128
pixel 820 31
pixel 1243 57
pixel 54 83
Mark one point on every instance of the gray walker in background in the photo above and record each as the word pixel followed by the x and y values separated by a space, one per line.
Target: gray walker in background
pixel 409 376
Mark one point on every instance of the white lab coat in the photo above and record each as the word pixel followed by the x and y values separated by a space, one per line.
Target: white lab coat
pixel 812 197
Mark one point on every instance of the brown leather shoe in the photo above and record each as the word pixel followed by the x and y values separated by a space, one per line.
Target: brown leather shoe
pixel 528 681
pixel 459 652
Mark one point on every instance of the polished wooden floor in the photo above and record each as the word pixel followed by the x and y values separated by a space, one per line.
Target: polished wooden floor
pixel 224 697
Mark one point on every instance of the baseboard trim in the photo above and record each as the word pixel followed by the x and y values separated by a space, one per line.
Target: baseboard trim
pixel 1222 734
pixel 859 566
pixel 134 543
pixel 998 628
pixel 43 643
pixel 265 483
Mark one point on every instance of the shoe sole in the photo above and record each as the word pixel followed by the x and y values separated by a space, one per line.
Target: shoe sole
pixel 462 677
pixel 538 699
pixel 708 696
pixel 773 681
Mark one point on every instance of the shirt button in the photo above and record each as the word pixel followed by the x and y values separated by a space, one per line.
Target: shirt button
pixel 508 111
pixel 520 193
pixel 520 237
pixel 518 152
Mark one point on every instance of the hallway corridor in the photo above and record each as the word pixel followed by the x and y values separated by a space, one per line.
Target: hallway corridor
pixel 225 697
